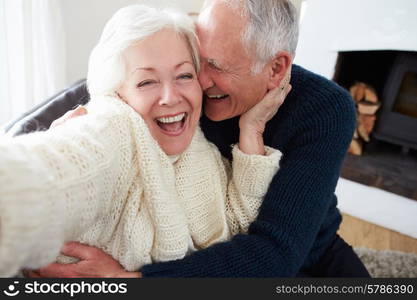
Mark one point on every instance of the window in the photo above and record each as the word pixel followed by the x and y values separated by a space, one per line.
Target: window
pixel 32 42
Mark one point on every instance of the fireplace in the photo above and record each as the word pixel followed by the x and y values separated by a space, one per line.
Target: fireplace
pixel 364 41
pixel 393 74
pixel 386 161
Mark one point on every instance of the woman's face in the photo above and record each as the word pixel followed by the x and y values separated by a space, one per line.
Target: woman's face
pixel 162 86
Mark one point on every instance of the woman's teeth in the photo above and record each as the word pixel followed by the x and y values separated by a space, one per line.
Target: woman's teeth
pixel 172 125
pixel 167 120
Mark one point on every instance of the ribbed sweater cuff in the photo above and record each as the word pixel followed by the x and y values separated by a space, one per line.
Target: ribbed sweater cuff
pixel 252 174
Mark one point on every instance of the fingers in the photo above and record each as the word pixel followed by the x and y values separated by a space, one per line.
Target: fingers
pixel 277 97
pixel 53 270
pixel 79 111
pixel 288 76
pixel 287 90
pixel 91 261
pixel 78 250
pixel 31 273
pixel 285 82
pixel 56 270
pixel 279 94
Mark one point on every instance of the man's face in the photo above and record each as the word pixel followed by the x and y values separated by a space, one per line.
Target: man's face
pixel 226 78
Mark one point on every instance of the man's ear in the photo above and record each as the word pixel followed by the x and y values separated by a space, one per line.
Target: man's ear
pixel 278 68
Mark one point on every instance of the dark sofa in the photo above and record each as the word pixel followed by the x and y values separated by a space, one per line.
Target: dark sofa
pixel 42 115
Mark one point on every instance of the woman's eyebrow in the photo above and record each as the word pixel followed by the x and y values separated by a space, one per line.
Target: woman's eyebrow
pixel 182 63
pixel 150 69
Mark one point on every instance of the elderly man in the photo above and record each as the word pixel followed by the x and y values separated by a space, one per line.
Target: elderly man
pixel 247 47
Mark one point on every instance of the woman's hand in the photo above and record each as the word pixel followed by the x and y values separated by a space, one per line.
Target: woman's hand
pixel 252 123
pixel 79 111
pixel 93 263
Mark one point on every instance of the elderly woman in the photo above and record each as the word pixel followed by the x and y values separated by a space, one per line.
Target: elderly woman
pixel 136 176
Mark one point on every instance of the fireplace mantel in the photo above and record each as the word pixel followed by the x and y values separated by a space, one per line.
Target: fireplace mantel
pixel 331 26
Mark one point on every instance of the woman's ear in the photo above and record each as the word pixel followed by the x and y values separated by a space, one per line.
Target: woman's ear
pixel 278 68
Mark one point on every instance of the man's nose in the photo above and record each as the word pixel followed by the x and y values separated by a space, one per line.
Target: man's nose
pixel 170 95
pixel 204 77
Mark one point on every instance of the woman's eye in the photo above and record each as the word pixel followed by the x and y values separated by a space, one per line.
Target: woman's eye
pixel 145 83
pixel 186 76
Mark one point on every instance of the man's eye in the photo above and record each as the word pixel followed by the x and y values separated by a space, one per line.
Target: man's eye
pixel 186 76
pixel 215 67
pixel 145 83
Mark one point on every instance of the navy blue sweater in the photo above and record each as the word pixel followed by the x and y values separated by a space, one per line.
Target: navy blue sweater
pixel 298 218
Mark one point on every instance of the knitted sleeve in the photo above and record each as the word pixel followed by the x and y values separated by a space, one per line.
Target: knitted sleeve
pixel 54 184
pixel 248 183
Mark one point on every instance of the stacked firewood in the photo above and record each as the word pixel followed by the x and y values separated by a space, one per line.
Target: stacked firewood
pixel 367 105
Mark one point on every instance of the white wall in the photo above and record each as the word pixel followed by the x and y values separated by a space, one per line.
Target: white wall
pixel 331 26
pixel 85 19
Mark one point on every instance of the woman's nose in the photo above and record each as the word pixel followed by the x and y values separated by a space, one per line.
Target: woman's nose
pixel 170 95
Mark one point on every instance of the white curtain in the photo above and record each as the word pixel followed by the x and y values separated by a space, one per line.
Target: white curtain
pixel 32 54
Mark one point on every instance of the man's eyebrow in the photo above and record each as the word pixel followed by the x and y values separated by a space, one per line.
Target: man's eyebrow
pixel 214 63
pixel 233 71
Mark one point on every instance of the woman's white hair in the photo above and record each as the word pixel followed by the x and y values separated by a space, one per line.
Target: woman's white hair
pixel 129 25
pixel 272 27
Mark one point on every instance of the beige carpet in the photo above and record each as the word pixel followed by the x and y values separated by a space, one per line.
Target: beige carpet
pixel 388 263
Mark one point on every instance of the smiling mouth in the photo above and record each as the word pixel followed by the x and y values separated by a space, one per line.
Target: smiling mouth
pixel 217 97
pixel 172 125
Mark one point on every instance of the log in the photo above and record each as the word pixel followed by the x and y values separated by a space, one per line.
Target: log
pixel 367 108
pixel 367 105
pixel 367 121
pixel 359 91
pixel 370 95
pixel 353 90
pixel 363 133
pixel 365 126
pixel 355 147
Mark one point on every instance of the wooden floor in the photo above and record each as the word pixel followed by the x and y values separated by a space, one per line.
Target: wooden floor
pixel 359 233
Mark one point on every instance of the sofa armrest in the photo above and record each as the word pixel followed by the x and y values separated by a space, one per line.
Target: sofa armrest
pixel 41 116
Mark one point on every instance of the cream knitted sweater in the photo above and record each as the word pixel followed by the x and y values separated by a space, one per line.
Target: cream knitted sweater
pixel 101 179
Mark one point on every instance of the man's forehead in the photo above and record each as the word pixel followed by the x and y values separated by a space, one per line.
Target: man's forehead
pixel 238 5
pixel 219 29
pixel 219 14
pixel 216 50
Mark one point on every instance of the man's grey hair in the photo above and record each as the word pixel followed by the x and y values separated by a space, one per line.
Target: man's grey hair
pixel 130 25
pixel 272 27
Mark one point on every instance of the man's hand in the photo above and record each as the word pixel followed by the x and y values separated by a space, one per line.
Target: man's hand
pixel 93 263
pixel 79 111
pixel 262 112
